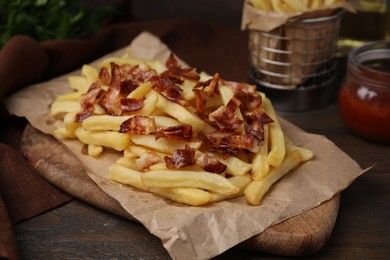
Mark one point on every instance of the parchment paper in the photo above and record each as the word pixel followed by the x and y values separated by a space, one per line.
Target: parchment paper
pixel 200 232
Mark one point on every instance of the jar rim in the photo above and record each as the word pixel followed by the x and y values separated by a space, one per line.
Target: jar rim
pixel 378 50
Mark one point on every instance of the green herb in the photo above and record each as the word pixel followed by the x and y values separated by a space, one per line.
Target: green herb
pixel 49 19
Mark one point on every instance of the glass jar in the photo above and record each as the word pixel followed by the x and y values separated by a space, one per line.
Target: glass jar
pixel 364 98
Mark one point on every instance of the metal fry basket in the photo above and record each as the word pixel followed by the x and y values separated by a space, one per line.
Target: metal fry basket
pixel 301 53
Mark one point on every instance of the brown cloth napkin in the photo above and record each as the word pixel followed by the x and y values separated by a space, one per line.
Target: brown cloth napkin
pixel 24 61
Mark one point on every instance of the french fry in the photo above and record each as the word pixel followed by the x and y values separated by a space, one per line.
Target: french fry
pixel 90 73
pixel 277 147
pixel 276 6
pixel 78 83
pixel 73 96
pixel 260 167
pixel 262 4
pixel 256 190
pixel 298 6
pixel 189 179
pixel 190 196
pixel 65 106
pixel 94 150
pixel 316 4
pixel 182 115
pixel 115 140
pixel 141 91
pixel 235 166
pixel 162 145
pixel 241 182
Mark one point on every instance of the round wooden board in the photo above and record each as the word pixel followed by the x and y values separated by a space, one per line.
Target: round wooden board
pixel 303 234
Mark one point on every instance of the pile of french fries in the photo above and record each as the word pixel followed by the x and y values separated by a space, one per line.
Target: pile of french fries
pixel 292 6
pixel 247 173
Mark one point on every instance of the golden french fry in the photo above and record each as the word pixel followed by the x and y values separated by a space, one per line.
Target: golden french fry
pixel 162 145
pixel 94 150
pixel 149 106
pixel 128 162
pixel 330 2
pixel 306 154
pixel 104 122
pixel 235 166
pixel 296 5
pixel 64 106
pixel 70 124
pixel 115 140
pixel 256 190
pixel 140 150
pixel 260 167
pixel 277 146
pixel 189 179
pixel 190 196
pixel 262 4
pixel 276 6
pixel 90 73
pixel 316 3
pixel 182 115
pixel 73 96
pixel 79 83
pixel 141 91
pixel 241 182
pixel 62 132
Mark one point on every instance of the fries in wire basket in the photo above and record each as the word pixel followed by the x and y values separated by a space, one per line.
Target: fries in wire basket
pixel 292 6
pixel 186 136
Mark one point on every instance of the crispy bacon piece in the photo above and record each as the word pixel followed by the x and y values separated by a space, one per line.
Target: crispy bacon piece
pixel 104 76
pixel 225 117
pixel 131 104
pixel 209 87
pixel 109 99
pixel 180 158
pixel 176 73
pixel 133 76
pixel 256 121
pixel 178 132
pixel 188 156
pixel 146 160
pixel 124 79
pixel 210 164
pixel 169 90
pixel 138 125
pixel 88 100
pixel 230 142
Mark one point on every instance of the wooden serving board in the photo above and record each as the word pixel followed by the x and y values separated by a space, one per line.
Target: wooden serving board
pixel 303 234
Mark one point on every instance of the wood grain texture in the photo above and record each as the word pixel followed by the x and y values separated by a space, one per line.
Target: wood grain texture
pixel 301 235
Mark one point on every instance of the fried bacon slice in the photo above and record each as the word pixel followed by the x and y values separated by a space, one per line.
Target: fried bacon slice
pixel 88 100
pixel 256 121
pixel 146 160
pixel 180 158
pixel 168 89
pixel 124 79
pixel 210 164
pixel 138 125
pixel 188 156
pixel 178 132
pixel 176 73
pixel 230 142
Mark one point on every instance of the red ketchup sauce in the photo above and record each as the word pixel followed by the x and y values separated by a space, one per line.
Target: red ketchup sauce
pixel 364 98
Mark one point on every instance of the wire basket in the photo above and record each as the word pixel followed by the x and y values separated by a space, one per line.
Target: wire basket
pixel 301 53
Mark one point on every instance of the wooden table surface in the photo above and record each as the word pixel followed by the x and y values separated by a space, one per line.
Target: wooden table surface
pixel 362 231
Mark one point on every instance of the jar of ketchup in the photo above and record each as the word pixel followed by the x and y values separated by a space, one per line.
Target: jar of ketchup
pixel 364 98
